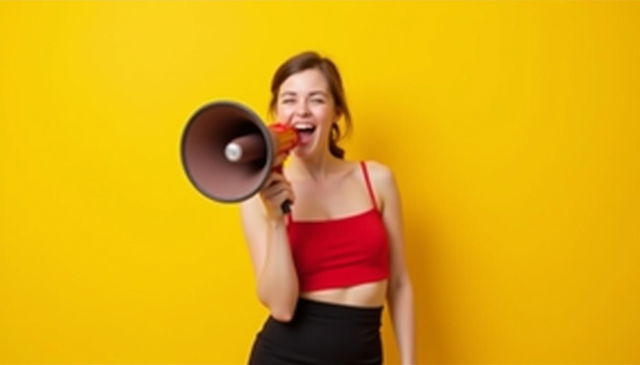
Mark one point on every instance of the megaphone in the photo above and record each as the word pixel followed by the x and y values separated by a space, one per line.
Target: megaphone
pixel 228 153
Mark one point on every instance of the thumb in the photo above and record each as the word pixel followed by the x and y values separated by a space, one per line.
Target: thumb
pixel 280 158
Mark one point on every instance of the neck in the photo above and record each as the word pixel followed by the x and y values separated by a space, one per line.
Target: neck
pixel 316 168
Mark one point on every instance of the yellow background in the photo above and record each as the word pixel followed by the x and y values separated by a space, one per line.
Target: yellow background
pixel 512 128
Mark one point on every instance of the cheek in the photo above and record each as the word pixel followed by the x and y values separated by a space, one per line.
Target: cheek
pixel 327 123
pixel 283 113
pixel 325 130
pixel 324 113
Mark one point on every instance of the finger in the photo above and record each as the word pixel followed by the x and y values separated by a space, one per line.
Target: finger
pixel 273 179
pixel 289 192
pixel 280 159
pixel 277 177
pixel 275 190
pixel 274 183
pixel 273 193
pixel 282 197
pixel 270 191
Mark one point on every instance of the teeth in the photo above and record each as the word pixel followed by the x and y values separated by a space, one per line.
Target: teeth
pixel 304 126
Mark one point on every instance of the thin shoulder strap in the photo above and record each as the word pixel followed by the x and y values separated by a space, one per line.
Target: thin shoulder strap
pixel 366 179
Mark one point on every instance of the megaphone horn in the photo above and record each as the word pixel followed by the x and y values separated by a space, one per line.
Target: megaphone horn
pixel 228 153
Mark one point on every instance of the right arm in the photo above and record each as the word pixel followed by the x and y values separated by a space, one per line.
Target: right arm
pixel 266 235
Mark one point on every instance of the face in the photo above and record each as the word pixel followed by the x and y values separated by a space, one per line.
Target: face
pixel 305 102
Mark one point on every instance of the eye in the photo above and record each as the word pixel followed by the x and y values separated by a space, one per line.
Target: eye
pixel 286 101
pixel 321 101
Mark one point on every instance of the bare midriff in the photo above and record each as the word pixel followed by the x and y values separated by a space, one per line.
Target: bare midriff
pixel 362 295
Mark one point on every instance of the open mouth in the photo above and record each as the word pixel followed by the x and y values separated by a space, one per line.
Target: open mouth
pixel 305 132
pixel 304 128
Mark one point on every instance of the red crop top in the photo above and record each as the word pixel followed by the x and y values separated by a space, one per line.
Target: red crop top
pixel 340 252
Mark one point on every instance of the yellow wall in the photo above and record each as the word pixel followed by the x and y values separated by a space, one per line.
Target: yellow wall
pixel 512 128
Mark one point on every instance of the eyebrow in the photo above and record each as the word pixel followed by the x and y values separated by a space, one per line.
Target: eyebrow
pixel 310 94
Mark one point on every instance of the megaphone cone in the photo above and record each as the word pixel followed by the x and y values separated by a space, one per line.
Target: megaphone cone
pixel 228 152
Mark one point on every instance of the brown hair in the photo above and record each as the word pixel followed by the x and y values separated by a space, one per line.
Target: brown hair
pixel 309 60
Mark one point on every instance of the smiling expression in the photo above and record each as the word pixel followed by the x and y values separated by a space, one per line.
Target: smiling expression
pixel 305 102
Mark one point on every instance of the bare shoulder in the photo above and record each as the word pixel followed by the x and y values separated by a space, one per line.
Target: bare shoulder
pixel 384 184
pixel 380 173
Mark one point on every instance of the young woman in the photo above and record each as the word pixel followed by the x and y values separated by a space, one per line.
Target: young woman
pixel 325 269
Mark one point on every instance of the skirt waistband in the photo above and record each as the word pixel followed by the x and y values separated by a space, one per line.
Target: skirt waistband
pixel 321 333
pixel 334 310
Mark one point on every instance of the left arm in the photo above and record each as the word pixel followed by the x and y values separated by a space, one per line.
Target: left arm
pixel 399 291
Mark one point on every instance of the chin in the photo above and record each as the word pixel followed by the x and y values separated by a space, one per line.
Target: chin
pixel 302 153
pixel 306 151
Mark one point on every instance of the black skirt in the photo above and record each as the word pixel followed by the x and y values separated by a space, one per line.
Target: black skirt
pixel 321 333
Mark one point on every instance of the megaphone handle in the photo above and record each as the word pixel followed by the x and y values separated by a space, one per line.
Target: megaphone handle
pixel 286 205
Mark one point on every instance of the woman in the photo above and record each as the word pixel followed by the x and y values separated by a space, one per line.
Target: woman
pixel 325 269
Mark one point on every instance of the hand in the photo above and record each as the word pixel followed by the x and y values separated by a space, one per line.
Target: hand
pixel 276 190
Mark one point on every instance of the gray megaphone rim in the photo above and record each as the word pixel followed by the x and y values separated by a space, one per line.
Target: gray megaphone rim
pixel 263 129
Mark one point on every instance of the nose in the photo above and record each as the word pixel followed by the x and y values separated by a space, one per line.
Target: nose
pixel 302 109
